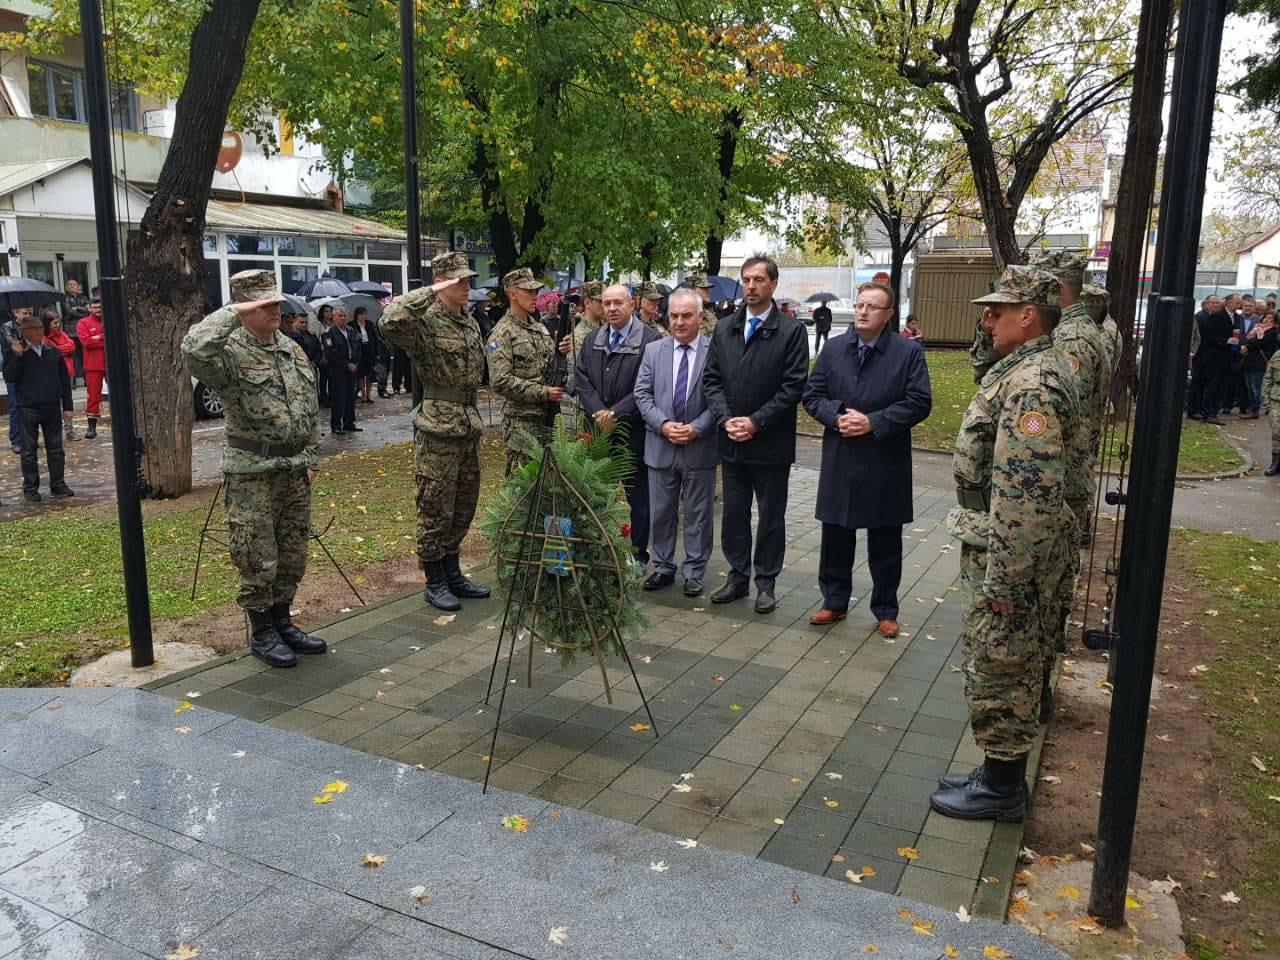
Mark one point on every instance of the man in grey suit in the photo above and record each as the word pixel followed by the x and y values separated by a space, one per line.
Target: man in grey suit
pixel 679 444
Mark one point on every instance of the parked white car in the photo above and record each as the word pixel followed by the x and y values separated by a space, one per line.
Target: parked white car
pixel 208 404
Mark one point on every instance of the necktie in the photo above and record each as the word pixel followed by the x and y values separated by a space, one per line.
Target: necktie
pixel 863 350
pixel 682 386
pixel 751 327
pixel 615 340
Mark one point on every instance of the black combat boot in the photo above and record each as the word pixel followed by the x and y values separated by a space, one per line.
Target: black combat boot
pixel 1046 700
pixel 1272 470
pixel 93 429
pixel 294 639
pixel 998 792
pixel 459 584
pixel 266 644
pixel 437 592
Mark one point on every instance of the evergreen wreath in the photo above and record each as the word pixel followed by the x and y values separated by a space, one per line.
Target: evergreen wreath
pixel 559 539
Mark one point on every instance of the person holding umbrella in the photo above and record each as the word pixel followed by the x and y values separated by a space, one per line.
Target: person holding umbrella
pixel 821 325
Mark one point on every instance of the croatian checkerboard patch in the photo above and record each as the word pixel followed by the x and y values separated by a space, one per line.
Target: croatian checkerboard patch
pixel 1033 423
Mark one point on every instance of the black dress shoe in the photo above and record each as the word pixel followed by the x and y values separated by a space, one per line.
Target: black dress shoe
pixel 658 581
pixel 62 490
pixel 765 601
pixel 693 587
pixel 355 429
pixel 1215 421
pixel 730 592
pixel 31 496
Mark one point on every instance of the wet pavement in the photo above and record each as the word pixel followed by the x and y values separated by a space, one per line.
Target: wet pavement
pixel 132 827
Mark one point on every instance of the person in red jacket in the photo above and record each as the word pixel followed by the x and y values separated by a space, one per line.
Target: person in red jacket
pixel 93 344
pixel 67 347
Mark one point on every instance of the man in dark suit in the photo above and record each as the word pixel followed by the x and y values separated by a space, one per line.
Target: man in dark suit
pixel 605 381
pixel 869 388
pixel 1213 361
pixel 753 382
pixel 679 444
pixel 1195 391
pixel 342 356
pixel 821 326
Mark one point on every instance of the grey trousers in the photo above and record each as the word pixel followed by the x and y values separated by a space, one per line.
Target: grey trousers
pixel 670 489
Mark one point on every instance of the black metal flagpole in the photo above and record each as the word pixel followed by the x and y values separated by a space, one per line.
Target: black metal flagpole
pixel 125 445
pixel 412 197
pixel 1157 428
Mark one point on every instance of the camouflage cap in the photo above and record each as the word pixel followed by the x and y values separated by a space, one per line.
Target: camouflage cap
pixel 1026 285
pixel 592 289
pixel 523 278
pixel 250 285
pixel 1067 265
pixel 698 281
pixel 451 266
pixel 648 290
pixel 1095 300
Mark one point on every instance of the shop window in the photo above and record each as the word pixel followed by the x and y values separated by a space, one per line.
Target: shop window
pixel 41 270
pixel 57 91
pixel 212 285
pixel 384 274
pixel 239 266
pixel 308 247
pixel 346 249
pixel 382 250
pixel 249 244
pixel 347 274
pixel 294 275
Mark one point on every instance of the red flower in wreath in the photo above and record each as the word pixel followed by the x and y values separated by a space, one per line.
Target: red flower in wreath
pixel 585 438
pixel 626 529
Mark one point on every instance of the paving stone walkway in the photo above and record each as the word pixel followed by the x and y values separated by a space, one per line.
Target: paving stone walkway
pixel 132 828
pixel 814 748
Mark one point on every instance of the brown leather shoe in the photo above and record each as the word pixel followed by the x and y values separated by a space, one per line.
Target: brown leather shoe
pixel 889 628
pixel 825 616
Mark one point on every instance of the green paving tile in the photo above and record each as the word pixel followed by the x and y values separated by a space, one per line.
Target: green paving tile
pixel 619 805
pixel 675 820
pixel 738 837
pixel 938 889
pixel 379 741
pixel 242 704
pixel 297 720
pixel 567 791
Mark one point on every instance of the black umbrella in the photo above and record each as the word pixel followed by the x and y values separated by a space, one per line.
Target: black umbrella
pixel 724 288
pixel 326 286
pixel 822 297
pixel 490 284
pixel 24 292
pixel 478 296
pixel 369 287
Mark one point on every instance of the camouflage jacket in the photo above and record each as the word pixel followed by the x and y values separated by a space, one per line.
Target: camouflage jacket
pixel 653 325
pixel 1271 384
pixel 1014 443
pixel 268 391
pixel 581 330
pixel 1080 341
pixel 448 357
pixel 982 355
pixel 1111 340
pixel 709 321
pixel 518 354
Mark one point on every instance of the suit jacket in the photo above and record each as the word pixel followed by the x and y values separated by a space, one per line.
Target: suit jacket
pixel 866 481
pixel 1215 330
pixel 655 398
pixel 341 349
pixel 762 379
pixel 607 381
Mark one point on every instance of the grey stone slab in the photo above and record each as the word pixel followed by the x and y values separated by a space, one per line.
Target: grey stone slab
pixel 17 700
pixel 31 825
pixel 34 749
pixel 175 903
pixel 93 863
pixel 379 945
pixel 276 926
pixel 69 941
pixel 22 922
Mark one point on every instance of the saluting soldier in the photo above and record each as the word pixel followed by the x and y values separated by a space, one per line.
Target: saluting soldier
pixel 1097 300
pixel 1013 522
pixel 519 348
pixel 699 282
pixel 649 307
pixel 444 345
pixel 268 391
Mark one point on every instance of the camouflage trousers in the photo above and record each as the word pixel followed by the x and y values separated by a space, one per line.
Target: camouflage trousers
pixel 269 520
pixel 1003 662
pixel 513 429
pixel 447 472
pixel 1274 417
pixel 1067 563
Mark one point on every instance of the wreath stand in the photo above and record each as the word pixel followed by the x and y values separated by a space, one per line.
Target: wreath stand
pixel 544 561
pixel 222 535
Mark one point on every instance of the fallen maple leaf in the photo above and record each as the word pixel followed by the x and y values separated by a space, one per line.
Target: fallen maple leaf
pixel 419 893
pixel 870 948
pixel 1051 780
pixel 950 951
pixel 1132 903
pixel 923 927
pixel 1167 885
pixel 717 678
pixel 558 935
pixel 992 952
pixel 853 877
pixel 182 729
pixel 445 619
pixel 735 707
pixel 516 822
pixel 323 798
pixel 867 871
pixel 963 915
pixel 911 853
pixel 680 788
pixel 184 952
pixel 1229 897
pixel 337 786
pixel 640 727
pixel 905 914
pixel 688 844
pixel 1258 764
pixel 835 776
pixel 837 858
pixel 832 803
pixel 372 860
pixel 659 866
pixel 183 707
pixel 1069 892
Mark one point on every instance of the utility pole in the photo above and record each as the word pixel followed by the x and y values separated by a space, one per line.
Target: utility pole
pixel 412 197
pixel 125 445
pixel 1157 427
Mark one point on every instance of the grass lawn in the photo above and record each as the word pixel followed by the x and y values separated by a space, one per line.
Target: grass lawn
pixel 62 570
pixel 1203 449
pixel 1241 581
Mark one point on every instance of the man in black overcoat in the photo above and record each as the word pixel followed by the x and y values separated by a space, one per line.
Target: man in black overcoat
pixel 868 389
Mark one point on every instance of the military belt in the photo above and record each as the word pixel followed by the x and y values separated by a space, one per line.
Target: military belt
pixel 972 499
pixel 264 449
pixel 449 395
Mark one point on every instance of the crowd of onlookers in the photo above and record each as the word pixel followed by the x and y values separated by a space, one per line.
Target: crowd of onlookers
pixel 1232 340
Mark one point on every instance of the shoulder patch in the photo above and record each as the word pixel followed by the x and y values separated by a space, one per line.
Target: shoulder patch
pixel 1033 423
pixel 1074 363
pixel 492 345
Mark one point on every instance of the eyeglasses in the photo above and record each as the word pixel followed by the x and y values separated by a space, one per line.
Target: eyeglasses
pixel 869 306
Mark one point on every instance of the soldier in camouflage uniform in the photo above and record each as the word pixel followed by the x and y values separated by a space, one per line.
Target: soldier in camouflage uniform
pixel 519 348
pixel 699 282
pixel 444 345
pixel 1097 300
pixel 1271 407
pixel 592 292
pixel 649 310
pixel 1013 523
pixel 268 391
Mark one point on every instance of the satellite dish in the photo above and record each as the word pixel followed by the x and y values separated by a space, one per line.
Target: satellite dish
pixel 229 152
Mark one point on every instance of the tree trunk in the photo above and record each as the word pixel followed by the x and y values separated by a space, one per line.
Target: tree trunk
pixel 1137 184
pixel 997 217
pixel 165 274
pixel 897 254
pixel 727 143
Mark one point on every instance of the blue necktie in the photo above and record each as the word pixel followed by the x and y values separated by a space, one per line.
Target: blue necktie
pixel 863 350
pixel 751 327
pixel 615 340
pixel 682 385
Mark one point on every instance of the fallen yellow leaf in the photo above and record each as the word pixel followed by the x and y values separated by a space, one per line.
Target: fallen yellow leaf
pixel 323 798
pixel 517 823
pixel 184 952
pixel 1068 891
pixel 923 927
pixel 183 707
pixel 905 914
pixel 833 803
pixel 640 727
pixel 338 786
pixel 992 952
pixel 870 948
pixel 950 951
pixel 1132 903
pixel 372 860
pixel 911 853
pixel 867 871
